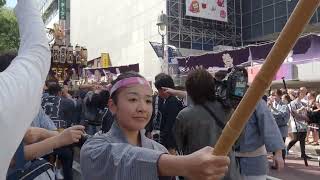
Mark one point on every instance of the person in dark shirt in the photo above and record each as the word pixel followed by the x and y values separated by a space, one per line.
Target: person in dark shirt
pixel 153 127
pixel 310 117
pixel 61 110
pixel 107 116
pixel 201 124
pixel 169 110
pixel 79 96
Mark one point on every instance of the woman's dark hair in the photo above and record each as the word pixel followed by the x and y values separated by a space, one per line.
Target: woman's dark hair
pixel 313 94
pixel 279 92
pixel 163 80
pixel 220 75
pixel 125 75
pixel 99 101
pixel 54 88
pixel 287 97
pixel 200 86
pixel 104 95
pixel 284 91
pixel 6 58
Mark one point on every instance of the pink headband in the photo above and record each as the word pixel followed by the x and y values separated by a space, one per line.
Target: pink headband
pixel 128 81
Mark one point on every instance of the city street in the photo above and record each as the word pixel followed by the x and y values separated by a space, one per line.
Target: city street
pixel 295 168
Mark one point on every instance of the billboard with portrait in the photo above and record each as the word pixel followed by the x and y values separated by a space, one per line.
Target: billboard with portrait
pixel 208 9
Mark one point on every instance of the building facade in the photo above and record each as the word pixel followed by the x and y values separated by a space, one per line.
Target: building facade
pixel 262 20
pixel 124 28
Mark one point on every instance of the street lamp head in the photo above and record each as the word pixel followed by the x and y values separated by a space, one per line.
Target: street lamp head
pixel 162 21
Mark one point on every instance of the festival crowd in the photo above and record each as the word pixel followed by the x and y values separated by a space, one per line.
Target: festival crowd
pixel 132 129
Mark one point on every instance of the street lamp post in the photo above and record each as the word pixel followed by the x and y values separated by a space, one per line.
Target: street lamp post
pixel 162 24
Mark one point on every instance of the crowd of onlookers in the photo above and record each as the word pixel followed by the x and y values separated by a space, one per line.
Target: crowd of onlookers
pixel 183 121
pixel 298 102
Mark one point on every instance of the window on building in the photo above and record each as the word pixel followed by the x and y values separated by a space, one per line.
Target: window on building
pixel 318 13
pixel 207 47
pixel 256 4
pixel 238 21
pixel 268 13
pixel 281 9
pixel 280 22
pixel 314 19
pixel 174 43
pixel 238 7
pixel 268 27
pixel 246 6
pixel 291 5
pixel 257 30
pixel 186 45
pixel 247 33
pixel 267 2
pixel 246 20
pixel 197 46
pixel 238 29
pixel 257 16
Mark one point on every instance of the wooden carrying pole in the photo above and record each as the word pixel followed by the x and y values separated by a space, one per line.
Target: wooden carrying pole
pixel 285 42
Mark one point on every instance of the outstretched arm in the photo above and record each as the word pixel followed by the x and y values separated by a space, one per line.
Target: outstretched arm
pixel 118 160
pixel 198 165
pixel 21 83
pixel 174 92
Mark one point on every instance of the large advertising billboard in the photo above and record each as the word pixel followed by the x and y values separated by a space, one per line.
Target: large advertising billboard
pixel 208 9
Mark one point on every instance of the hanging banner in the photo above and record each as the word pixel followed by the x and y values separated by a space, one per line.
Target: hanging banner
pixel 157 47
pixel 105 60
pixel 171 52
pixel 208 9
pixel 62 9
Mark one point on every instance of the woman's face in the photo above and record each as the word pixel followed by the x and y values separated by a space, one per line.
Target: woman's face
pixel 310 97
pixel 134 107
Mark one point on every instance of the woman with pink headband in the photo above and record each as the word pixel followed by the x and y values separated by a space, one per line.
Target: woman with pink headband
pixel 125 153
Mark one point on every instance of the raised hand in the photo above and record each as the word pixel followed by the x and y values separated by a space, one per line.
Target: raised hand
pixel 70 135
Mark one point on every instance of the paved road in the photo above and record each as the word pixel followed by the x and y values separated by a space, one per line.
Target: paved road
pixel 295 168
